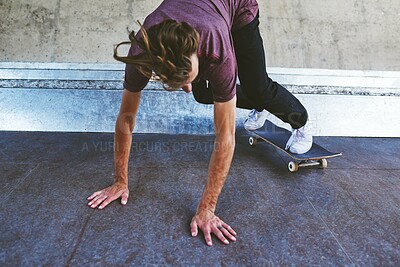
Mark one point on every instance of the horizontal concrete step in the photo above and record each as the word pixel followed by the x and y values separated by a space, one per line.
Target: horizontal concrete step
pixel 86 97
pixel 109 76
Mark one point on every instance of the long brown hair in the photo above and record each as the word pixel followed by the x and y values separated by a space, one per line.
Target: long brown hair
pixel 167 48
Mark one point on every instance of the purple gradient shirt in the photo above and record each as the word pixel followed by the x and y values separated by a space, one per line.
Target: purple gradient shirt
pixel 214 20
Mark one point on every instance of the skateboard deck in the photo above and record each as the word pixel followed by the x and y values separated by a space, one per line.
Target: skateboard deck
pixel 278 137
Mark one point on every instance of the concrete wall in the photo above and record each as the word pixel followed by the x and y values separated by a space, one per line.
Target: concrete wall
pixel 86 98
pixel 341 34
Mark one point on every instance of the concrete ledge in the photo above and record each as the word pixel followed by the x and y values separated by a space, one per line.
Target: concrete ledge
pixel 108 76
pixel 86 97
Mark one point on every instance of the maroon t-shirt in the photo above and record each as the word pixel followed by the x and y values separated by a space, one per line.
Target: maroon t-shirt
pixel 214 20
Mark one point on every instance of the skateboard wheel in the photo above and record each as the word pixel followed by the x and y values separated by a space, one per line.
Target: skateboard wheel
pixel 323 163
pixel 252 141
pixel 293 166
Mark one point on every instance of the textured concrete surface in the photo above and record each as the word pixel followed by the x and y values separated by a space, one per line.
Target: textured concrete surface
pixel 345 215
pixel 306 34
pixel 84 97
pixel 95 110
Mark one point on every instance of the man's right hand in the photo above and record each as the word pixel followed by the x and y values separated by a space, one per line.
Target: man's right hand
pixel 109 194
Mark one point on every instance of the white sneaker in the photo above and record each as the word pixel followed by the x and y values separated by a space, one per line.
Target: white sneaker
pixel 301 140
pixel 255 119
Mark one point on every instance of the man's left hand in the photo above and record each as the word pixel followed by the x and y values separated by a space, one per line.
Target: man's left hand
pixel 209 223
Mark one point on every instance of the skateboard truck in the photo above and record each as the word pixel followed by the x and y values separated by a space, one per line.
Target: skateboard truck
pixel 294 166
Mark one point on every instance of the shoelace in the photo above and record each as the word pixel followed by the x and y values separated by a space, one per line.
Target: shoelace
pixel 296 135
pixel 253 115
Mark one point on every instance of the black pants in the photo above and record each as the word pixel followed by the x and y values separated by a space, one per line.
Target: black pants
pixel 256 89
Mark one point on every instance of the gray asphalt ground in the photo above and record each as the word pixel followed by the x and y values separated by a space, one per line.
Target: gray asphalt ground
pixel 345 215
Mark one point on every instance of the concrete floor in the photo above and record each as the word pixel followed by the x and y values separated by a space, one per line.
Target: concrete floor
pixel 345 215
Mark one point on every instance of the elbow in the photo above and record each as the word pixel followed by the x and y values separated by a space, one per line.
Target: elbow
pixel 231 141
pixel 225 143
pixel 125 123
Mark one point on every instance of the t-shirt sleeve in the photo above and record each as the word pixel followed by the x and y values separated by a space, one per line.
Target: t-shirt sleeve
pixel 222 76
pixel 134 81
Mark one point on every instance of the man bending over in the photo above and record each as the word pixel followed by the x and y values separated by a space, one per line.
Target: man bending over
pixel 202 47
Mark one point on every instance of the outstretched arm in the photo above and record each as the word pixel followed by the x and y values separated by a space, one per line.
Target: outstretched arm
pixel 122 145
pixel 220 162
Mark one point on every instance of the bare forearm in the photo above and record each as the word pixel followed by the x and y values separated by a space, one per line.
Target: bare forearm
pixel 122 145
pixel 218 169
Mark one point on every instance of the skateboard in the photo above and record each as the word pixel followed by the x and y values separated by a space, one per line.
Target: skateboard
pixel 278 137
